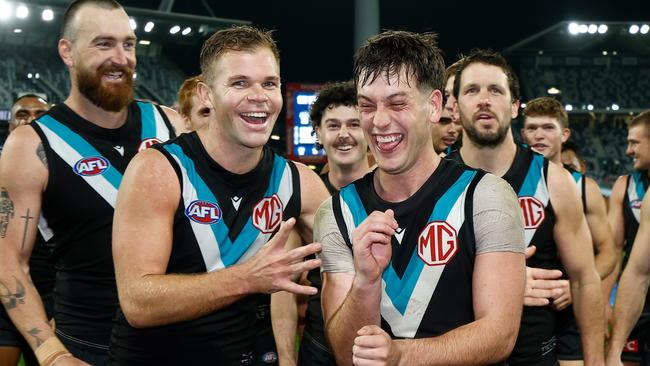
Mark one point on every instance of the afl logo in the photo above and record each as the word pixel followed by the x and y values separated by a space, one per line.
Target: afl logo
pixel 269 357
pixel 203 212
pixel 635 204
pixel 533 210
pixel 267 214
pixel 93 165
pixel 147 143
pixel 437 243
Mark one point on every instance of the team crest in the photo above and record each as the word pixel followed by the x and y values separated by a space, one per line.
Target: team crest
pixel 437 243
pixel 533 210
pixel 93 165
pixel 147 143
pixel 268 214
pixel 203 212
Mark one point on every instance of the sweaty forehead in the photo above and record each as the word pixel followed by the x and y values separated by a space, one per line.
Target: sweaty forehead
pixel 29 104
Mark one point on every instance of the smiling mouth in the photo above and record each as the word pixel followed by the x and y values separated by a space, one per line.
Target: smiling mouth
pixel 344 148
pixel 388 143
pixel 254 118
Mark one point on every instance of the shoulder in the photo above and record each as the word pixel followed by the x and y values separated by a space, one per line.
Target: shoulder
pixel 177 121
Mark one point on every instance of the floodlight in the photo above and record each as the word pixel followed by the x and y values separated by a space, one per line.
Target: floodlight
pixel 568 107
pixel 615 107
pixel 133 24
pixel 186 31
pixel 174 29
pixel 644 29
pixel 5 10
pixel 590 107
pixel 602 29
pixel 584 28
pixel 574 28
pixel 634 29
pixel 593 28
pixel 47 15
pixel 148 27
pixel 22 12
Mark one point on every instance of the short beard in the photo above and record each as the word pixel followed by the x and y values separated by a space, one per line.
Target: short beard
pixel 487 140
pixel 113 98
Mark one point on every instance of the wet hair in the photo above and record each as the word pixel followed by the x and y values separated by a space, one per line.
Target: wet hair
pixel 390 52
pixel 236 38
pixel 642 119
pixel 489 57
pixel 68 28
pixel 547 107
pixel 331 96
pixel 185 93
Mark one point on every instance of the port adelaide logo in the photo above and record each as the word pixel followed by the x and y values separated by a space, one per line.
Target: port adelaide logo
pixel 203 212
pixel 94 165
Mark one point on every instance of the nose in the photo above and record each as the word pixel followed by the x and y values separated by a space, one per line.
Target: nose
pixel 484 98
pixel 381 119
pixel 257 94
pixel 629 151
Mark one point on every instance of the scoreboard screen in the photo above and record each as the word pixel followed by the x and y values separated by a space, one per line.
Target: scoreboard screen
pixel 301 144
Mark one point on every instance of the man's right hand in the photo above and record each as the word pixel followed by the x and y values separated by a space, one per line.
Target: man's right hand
pixel 371 245
pixel 273 268
pixel 541 284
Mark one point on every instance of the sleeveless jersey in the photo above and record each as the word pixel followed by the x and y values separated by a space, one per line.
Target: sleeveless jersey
pixel 223 219
pixel 427 286
pixel 85 167
pixel 581 182
pixel 636 187
pixel 528 176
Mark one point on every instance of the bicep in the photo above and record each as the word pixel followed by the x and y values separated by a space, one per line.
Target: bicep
pixel 570 232
pixel 143 225
pixel 498 284
pixel 22 180
pixel 597 215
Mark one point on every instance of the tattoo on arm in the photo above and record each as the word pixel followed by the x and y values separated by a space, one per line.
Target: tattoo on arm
pixel 6 211
pixel 40 151
pixel 27 218
pixel 34 333
pixel 11 300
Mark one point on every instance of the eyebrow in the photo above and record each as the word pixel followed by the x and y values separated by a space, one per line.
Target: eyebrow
pixel 111 38
pixel 392 96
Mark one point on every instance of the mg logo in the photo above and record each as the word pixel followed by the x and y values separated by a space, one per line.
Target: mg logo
pixel 267 214
pixel 437 243
pixel 533 211
pixel 147 143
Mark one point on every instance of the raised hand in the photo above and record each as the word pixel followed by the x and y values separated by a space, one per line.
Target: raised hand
pixel 273 268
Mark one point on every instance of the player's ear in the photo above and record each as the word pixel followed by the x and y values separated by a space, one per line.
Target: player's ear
pixel 65 51
pixel 435 106
pixel 205 94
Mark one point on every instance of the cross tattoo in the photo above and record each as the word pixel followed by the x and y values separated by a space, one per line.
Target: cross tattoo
pixel 27 218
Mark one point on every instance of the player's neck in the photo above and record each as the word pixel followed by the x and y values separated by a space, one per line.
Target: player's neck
pixel 89 111
pixel 494 159
pixel 342 175
pixel 557 159
pixel 231 155
pixel 399 187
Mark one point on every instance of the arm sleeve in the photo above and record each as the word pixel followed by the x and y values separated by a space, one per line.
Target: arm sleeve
pixel 498 221
pixel 336 256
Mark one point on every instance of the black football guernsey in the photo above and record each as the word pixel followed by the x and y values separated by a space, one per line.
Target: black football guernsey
pixel 85 167
pixel 223 219
pixel 636 187
pixel 528 177
pixel 427 286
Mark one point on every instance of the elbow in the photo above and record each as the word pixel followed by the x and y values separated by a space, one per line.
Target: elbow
pixel 135 314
